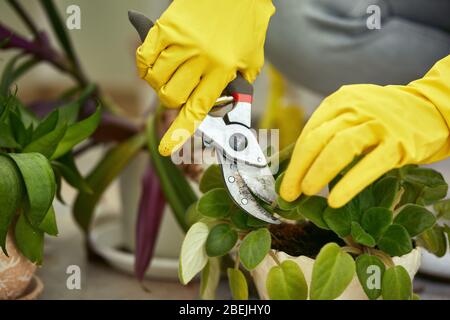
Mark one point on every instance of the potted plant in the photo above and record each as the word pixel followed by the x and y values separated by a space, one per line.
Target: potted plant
pixel 35 155
pixel 160 182
pixel 368 249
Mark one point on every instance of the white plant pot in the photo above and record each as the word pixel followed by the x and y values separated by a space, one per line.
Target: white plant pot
pixel 354 291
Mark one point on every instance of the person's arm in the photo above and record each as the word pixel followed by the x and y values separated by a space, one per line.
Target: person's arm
pixel 391 126
pixel 195 49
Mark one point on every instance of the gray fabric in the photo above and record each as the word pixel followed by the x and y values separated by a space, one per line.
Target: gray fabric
pixel 324 44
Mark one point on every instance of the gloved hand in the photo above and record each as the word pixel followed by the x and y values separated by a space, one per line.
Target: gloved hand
pixel 391 126
pixel 195 49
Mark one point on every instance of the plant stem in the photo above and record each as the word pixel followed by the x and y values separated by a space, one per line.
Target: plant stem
pixel 25 18
pixel 284 154
pixel 352 250
pixel 387 260
pixel 274 257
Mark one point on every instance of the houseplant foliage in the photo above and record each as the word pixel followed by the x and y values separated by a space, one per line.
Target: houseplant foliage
pixel 47 130
pixel 387 219
pixel 34 156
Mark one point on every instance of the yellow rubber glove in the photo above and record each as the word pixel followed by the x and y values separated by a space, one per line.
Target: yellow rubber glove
pixel 195 49
pixel 392 126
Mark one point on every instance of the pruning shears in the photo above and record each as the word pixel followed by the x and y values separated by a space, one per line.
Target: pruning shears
pixel 244 167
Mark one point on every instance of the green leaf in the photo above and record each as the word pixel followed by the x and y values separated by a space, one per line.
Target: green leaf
pixel 192 215
pixel 221 240
pixel 238 284
pixel 278 182
pixel 68 113
pixel 432 183
pixel 286 282
pixel 46 125
pixel 376 220
pixel 177 190
pixel 338 220
pixel 361 236
pixel 193 256
pixel 312 209
pixel 442 209
pixel 254 248
pixel 433 240
pixel 395 241
pixel 59 28
pixel 77 133
pixel 11 194
pixel 39 182
pixel 416 219
pixel 385 191
pixel 332 272
pixel 211 179
pixel 48 225
pixel 396 284
pixel 112 163
pixel 239 218
pixel 370 271
pixel 19 131
pixel 209 280
pixel 47 144
pixel 29 240
pixel 215 203
pixel 67 168
pixel 7 139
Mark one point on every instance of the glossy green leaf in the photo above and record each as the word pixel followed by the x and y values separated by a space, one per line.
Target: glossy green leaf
pixel 193 257
pixel 416 219
pixel 395 241
pixel 112 163
pixel 11 195
pixel 396 284
pixel 209 279
pixel 238 284
pixel 221 240
pixel 192 215
pixel 433 240
pixel 385 191
pixel 19 131
pixel 254 248
pixel 39 182
pixel 29 239
pixel 278 181
pixel 211 179
pixel 312 208
pixel 69 113
pixel 361 236
pixel 47 125
pixel 7 139
pixel 77 133
pixel 67 168
pixel 286 282
pixel 216 203
pixel 339 220
pixel 432 183
pixel 47 144
pixel 442 209
pixel 332 272
pixel 48 225
pixel 370 271
pixel 239 218
pixel 376 220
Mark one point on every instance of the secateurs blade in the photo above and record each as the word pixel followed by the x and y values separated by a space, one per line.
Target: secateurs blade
pixel 244 167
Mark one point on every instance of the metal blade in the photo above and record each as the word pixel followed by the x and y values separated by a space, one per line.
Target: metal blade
pixel 260 181
pixel 240 194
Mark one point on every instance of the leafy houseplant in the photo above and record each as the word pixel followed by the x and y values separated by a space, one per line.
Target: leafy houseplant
pixel 34 156
pixel 319 252
pixel 123 138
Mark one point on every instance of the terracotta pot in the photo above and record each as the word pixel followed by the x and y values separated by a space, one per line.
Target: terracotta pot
pixel 16 272
pixel 354 291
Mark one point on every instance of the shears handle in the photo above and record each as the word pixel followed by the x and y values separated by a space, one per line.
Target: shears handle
pixel 240 89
